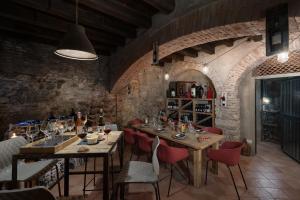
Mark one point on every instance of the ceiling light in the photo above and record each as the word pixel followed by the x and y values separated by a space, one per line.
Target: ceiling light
pixel 75 44
pixel 283 57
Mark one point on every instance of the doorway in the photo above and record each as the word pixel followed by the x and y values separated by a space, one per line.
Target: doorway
pixel 278 108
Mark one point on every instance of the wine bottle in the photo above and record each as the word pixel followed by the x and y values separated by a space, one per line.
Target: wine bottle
pixel 193 91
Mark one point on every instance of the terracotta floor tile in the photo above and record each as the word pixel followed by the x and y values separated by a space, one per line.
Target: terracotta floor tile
pixel 269 175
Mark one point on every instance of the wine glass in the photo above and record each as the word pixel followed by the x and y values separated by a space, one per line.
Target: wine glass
pixel 107 130
pixel 70 124
pixel 44 130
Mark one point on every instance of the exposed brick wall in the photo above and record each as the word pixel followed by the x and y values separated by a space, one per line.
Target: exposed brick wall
pixel 34 82
pixel 223 19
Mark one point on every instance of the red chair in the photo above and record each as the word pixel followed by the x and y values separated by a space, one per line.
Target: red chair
pixel 135 121
pixel 144 144
pixel 229 154
pixel 172 155
pixel 129 137
pixel 213 130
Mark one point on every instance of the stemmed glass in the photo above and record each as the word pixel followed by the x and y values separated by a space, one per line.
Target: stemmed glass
pixel 107 130
pixel 70 124
pixel 44 130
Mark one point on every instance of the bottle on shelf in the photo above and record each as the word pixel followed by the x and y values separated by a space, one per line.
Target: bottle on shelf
pixel 193 91
pixel 173 93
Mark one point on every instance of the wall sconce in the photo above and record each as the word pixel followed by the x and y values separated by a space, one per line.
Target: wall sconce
pixel 205 69
pixel 167 76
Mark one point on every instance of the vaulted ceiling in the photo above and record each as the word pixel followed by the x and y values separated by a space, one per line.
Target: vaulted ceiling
pixel 109 24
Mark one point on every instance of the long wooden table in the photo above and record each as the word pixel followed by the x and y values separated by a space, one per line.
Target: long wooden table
pixel 189 141
pixel 102 149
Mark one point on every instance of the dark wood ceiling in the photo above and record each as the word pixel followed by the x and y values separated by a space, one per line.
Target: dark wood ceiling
pixel 109 23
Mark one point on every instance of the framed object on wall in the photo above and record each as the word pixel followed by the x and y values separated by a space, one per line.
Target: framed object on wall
pixel 277 30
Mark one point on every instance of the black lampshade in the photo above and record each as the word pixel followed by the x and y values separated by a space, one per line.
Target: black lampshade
pixel 75 45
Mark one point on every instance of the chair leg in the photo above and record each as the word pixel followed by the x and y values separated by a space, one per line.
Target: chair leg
pixel 207 162
pixel 243 177
pixel 170 180
pixel 58 180
pixel 156 192
pixel 157 185
pixel 84 177
pixel 237 192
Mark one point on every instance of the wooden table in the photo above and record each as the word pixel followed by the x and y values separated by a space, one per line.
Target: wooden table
pixel 102 149
pixel 191 142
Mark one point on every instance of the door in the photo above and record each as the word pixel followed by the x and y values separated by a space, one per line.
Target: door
pixel 290 117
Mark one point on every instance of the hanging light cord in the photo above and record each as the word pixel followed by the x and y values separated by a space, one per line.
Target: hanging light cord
pixel 76 10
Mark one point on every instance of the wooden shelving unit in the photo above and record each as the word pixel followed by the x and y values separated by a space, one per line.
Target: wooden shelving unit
pixel 178 108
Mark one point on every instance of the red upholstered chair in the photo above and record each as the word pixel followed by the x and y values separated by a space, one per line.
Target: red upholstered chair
pixel 135 121
pixel 229 154
pixel 213 130
pixel 172 155
pixel 129 137
pixel 144 144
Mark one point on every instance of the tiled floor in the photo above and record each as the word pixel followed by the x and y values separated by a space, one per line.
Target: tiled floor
pixel 270 175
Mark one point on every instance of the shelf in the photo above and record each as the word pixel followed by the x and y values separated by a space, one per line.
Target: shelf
pixel 184 98
pixel 172 109
pixel 203 113
pixel 187 111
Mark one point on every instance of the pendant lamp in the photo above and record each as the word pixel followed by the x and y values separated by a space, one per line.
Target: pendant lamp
pixel 75 44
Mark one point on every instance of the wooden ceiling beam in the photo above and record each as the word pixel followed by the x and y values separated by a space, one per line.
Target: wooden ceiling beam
pixel 89 19
pixel 167 59
pixel 36 18
pixel 189 52
pixel 255 38
pixel 165 6
pixel 208 48
pixel 119 11
pixel 41 34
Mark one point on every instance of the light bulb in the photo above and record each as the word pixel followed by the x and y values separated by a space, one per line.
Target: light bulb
pixel 283 57
pixel 167 76
pixel 205 70
pixel 266 100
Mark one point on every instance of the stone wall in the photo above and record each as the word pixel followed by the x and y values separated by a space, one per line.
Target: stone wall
pixel 34 82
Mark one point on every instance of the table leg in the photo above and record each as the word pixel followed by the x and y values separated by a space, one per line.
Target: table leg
pixel 14 172
pixel 215 163
pixel 66 177
pixel 121 151
pixel 106 177
pixel 197 168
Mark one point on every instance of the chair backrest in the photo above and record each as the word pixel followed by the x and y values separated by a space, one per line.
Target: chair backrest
pixel 135 121
pixel 129 135
pixel 213 130
pixel 8 148
pixel 231 152
pixel 144 142
pixel 34 193
pixel 155 162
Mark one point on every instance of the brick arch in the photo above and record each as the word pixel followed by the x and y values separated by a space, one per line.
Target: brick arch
pixel 246 18
pixel 229 117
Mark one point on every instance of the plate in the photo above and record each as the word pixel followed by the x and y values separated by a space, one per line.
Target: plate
pixel 179 136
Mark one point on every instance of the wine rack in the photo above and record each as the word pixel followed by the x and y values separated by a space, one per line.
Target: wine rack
pixel 199 111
